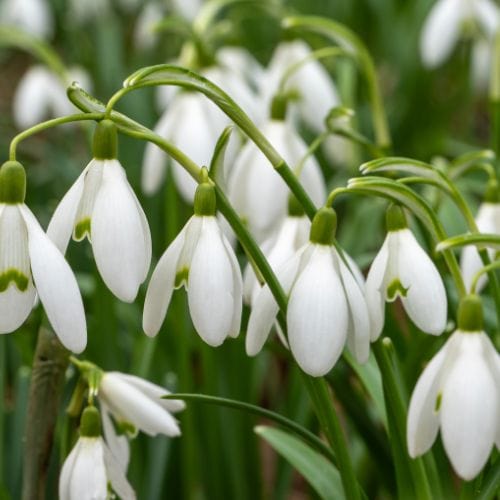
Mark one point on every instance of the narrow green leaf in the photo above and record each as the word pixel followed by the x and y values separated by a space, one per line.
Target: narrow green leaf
pixel 480 240
pixel 460 165
pixel 405 165
pixel 323 477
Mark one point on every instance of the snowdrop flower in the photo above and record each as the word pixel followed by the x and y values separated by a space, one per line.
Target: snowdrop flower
pixel 487 221
pixel 292 234
pixel 41 94
pixel 102 206
pixel 144 32
pixel 256 190
pixel 446 21
pixel 32 16
pixel 202 260
pixel 30 263
pixel 243 64
pixel 402 269
pixel 459 393
pixel 133 400
pixel 90 466
pixel 187 8
pixel 326 304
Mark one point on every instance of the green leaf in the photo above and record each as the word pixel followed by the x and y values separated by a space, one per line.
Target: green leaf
pixel 323 477
pixel 406 165
pixel 217 161
pixel 467 161
pixel 480 240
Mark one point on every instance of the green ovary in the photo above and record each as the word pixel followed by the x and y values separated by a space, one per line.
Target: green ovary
pixel 13 276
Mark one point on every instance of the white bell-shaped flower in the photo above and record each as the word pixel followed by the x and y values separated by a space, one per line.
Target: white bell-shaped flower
pixel 487 221
pixel 445 22
pixel 30 263
pixel 403 269
pixel 188 9
pixel 41 94
pixel 290 237
pixel 459 393
pixel 32 16
pixel 91 467
pixel 145 36
pixel 201 259
pixel 258 193
pixel 102 206
pixel 326 304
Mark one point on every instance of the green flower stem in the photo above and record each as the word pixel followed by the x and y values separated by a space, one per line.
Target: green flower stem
pixel 395 401
pixel 493 266
pixel 495 98
pixel 348 40
pixel 47 383
pixel 40 127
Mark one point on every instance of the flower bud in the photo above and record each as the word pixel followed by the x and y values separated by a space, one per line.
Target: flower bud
pixel 12 183
pixel 105 145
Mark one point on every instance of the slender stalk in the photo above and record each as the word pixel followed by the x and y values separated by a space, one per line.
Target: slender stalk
pixel 47 381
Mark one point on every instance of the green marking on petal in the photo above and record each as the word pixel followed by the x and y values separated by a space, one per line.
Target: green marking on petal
pixel 438 402
pixel 126 428
pixel 396 289
pixel 181 277
pixel 13 276
pixel 82 229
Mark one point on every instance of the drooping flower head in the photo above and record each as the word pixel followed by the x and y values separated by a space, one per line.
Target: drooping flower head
pixel 326 304
pixel 402 269
pixel 90 469
pixel 30 263
pixel 201 259
pixel 102 207
pixel 459 394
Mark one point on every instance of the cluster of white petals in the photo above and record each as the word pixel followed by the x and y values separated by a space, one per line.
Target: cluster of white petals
pixel 403 269
pixel 102 206
pixel 459 393
pixel 201 259
pixel 32 16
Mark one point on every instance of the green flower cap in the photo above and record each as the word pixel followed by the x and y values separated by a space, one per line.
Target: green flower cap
pixel 105 145
pixel 12 183
pixel 295 209
pixel 279 106
pixel 492 193
pixel 90 423
pixel 395 218
pixel 205 202
pixel 470 314
pixel 324 226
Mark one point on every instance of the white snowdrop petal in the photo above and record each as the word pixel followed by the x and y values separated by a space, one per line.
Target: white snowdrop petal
pixel 56 285
pixel 470 264
pixel 237 292
pixel 161 287
pixel 15 307
pixel 118 242
pixel 88 480
pixel 423 419
pixel 425 300
pixel 130 403
pixel 153 391
pixel 317 315
pixel 469 410
pixel 440 32
pixel 62 222
pixel 118 445
pixel 210 286
pixel 67 472
pixel 375 295
pixel 116 476
pixel 488 14
pixel 359 318
pixel 265 307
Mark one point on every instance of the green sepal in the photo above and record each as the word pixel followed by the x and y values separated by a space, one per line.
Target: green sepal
pixel 12 183
pixel 15 276
pixel 205 201
pixel 470 314
pixel 105 144
pixel 323 227
pixel 90 423
pixel 395 218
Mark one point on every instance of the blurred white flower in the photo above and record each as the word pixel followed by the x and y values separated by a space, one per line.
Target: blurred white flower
pixel 403 269
pixel 32 16
pixel 291 235
pixel 201 259
pixel 91 466
pixel 258 193
pixel 187 8
pixel 446 21
pixel 41 94
pixel 102 206
pixel 326 308
pixel 243 64
pixel 459 393
pixel 144 35
pixel 29 264
pixel 487 221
